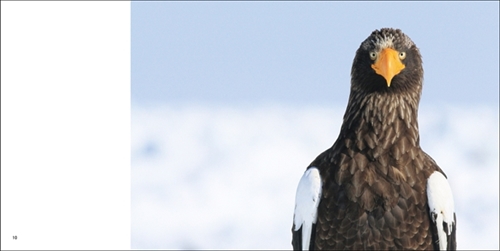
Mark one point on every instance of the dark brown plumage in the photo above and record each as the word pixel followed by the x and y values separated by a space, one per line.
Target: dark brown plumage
pixel 375 175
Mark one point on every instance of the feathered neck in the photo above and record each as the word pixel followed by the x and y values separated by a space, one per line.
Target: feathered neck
pixel 379 121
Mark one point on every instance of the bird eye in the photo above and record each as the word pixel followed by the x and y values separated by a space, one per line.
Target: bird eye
pixel 373 55
pixel 402 55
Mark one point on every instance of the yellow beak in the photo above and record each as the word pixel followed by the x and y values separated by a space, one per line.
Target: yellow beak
pixel 388 64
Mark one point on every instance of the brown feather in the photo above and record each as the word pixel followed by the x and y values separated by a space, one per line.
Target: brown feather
pixel 374 176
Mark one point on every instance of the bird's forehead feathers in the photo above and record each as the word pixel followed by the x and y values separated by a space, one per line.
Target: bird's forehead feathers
pixel 387 38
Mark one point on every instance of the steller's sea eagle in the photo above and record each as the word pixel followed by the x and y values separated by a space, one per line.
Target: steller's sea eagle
pixel 375 188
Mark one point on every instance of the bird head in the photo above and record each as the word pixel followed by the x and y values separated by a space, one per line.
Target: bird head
pixel 387 61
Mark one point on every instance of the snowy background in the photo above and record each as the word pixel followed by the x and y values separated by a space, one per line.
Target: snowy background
pixel 232 101
pixel 224 178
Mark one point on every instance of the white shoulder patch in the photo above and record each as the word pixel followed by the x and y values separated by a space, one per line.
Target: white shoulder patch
pixel 306 204
pixel 441 206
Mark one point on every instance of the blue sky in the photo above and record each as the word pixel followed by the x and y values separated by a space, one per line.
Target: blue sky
pixel 242 53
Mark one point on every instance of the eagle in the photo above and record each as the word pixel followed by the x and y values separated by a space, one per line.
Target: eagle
pixel 375 188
